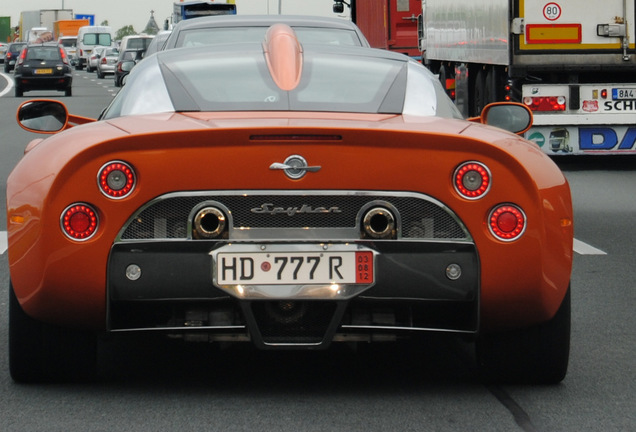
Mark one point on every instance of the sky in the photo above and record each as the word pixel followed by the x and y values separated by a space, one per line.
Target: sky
pixel 120 13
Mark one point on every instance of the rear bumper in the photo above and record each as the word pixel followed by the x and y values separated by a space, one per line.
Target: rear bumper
pixel 44 83
pixel 176 294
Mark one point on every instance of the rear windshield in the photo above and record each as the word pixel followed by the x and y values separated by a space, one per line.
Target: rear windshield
pixel 97 39
pixel 138 43
pixel 237 83
pixel 68 43
pixel 224 35
pixel 17 47
pixel 43 53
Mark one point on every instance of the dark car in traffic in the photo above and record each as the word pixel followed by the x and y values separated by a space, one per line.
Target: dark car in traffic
pixel 125 61
pixel 12 54
pixel 43 67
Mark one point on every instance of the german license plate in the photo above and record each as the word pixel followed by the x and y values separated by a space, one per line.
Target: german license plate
pixel 623 93
pixel 43 71
pixel 300 265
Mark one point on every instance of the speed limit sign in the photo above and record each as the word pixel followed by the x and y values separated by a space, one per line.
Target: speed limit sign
pixel 552 11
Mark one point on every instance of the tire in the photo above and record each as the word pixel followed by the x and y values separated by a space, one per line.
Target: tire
pixel 534 355
pixel 40 352
pixel 117 82
pixel 18 91
pixel 479 94
pixel 491 87
pixel 68 91
pixel 100 75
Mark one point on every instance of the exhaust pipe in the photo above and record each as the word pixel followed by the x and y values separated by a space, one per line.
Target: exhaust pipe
pixel 209 223
pixel 379 223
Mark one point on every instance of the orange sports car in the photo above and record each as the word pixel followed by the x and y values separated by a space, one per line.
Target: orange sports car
pixel 292 197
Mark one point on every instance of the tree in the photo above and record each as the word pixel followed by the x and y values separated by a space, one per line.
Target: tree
pixel 125 31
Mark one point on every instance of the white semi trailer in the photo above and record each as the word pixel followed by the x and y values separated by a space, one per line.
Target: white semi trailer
pixel 573 62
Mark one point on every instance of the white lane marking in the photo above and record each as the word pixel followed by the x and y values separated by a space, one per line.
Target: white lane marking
pixel 9 86
pixel 585 249
pixel 579 247
pixel 3 242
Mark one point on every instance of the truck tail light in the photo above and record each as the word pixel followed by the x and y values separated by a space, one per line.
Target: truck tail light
pixel 545 103
pixel 507 222
pixel 79 221
pixel 116 179
pixel 472 180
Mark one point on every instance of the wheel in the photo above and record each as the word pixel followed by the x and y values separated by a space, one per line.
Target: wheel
pixel 492 89
pixel 42 352
pixel 68 91
pixel 117 82
pixel 535 355
pixel 479 89
pixel 18 91
pixel 6 68
pixel 100 75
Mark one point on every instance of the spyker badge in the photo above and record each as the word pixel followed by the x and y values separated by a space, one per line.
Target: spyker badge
pixel 295 167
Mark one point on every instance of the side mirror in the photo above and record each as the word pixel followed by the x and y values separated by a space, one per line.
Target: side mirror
pixel 513 117
pixel 127 65
pixel 42 116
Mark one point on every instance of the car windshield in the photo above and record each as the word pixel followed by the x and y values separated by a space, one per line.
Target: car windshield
pixel 97 39
pixel 43 53
pixel 221 35
pixel 231 79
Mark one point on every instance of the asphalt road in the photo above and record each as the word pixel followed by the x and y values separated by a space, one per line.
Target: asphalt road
pixel 158 385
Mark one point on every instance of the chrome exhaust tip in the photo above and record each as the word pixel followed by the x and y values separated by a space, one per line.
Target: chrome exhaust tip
pixel 379 223
pixel 209 223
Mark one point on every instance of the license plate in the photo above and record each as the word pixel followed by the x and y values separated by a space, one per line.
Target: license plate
pixel 283 265
pixel 43 71
pixel 623 93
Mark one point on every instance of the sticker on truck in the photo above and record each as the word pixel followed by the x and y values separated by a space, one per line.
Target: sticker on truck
pixel 572 140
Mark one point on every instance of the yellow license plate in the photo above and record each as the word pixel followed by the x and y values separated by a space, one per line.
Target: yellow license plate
pixel 43 71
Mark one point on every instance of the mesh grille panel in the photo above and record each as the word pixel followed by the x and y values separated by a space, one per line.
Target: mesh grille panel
pixel 168 217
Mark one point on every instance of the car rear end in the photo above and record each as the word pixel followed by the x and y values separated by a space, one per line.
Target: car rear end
pixel 11 56
pixel 107 62
pixel 197 239
pixel 43 67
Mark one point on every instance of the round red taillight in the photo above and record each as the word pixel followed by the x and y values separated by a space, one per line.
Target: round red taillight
pixel 507 222
pixel 472 180
pixel 79 221
pixel 116 179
